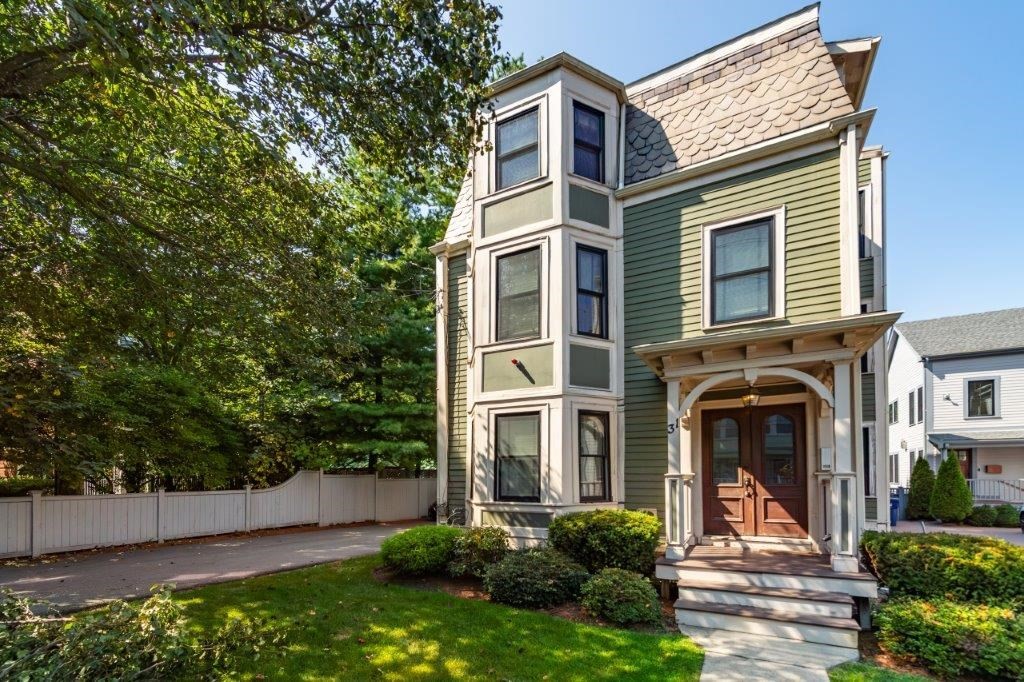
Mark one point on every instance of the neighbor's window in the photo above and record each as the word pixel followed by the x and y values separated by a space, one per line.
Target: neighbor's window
pixel 517 451
pixel 910 409
pixel 517 149
pixel 864 242
pixel 894 412
pixel 981 398
pixel 588 142
pixel 594 457
pixel 741 272
pixel 920 403
pixel 592 291
pixel 518 302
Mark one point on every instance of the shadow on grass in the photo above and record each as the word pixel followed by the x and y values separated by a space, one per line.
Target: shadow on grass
pixel 342 623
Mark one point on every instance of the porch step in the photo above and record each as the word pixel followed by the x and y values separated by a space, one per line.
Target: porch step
pixel 803 546
pixel 770 649
pixel 836 632
pixel 786 600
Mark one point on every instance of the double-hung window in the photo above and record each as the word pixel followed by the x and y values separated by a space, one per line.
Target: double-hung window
pixel 592 292
pixel 518 149
pixel 911 414
pixel 920 403
pixel 588 142
pixel 982 397
pixel 517 452
pixel 742 277
pixel 518 295
pixel 595 470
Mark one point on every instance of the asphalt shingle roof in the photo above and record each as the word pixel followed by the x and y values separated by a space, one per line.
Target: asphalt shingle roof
pixel 978 333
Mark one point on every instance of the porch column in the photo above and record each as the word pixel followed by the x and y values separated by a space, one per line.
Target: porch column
pixel 679 479
pixel 844 478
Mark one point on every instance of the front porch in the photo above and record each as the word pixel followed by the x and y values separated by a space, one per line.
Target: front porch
pixel 764 437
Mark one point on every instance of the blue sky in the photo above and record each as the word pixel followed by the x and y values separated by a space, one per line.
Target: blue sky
pixel 949 89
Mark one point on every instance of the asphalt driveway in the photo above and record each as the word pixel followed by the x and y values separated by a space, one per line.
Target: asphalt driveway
pixel 1012 535
pixel 78 581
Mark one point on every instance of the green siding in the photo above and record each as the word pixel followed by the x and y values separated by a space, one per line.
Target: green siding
pixel 867 278
pixel 589 366
pixel 523 209
pixel 867 396
pixel 458 311
pixel 534 368
pixel 516 519
pixel 588 206
pixel 863 171
pixel 662 274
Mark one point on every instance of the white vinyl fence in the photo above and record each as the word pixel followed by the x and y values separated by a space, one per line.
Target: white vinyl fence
pixel 37 524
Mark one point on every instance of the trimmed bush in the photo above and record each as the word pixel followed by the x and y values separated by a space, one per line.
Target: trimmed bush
pixel 944 565
pixel 953 639
pixel 983 515
pixel 424 550
pixel 478 548
pixel 22 485
pixel 952 500
pixel 535 578
pixel 607 538
pixel 922 482
pixel 621 597
pixel 1006 516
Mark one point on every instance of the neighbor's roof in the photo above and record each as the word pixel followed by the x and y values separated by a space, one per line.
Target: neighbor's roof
pixel 774 80
pixel 999 330
pixel 976 438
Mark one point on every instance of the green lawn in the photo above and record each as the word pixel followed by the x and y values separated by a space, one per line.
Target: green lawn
pixel 869 672
pixel 344 624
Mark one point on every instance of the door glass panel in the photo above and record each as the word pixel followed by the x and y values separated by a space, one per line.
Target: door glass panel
pixel 779 450
pixel 725 451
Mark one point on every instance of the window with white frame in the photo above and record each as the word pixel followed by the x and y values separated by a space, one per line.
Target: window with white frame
pixel 587 142
pixel 894 468
pixel 517 456
pixel 867 448
pixel 517 295
pixel 982 398
pixel 894 412
pixel 591 291
pixel 595 457
pixel 743 267
pixel 517 149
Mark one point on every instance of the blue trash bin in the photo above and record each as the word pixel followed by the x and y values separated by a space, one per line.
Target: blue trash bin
pixel 894 511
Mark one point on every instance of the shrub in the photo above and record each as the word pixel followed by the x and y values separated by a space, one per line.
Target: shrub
pixel 123 641
pixel 919 499
pixel 424 550
pixel 534 578
pixel 1006 516
pixel 478 548
pixel 983 515
pixel 964 567
pixel 952 500
pixel 953 639
pixel 621 597
pixel 22 485
pixel 607 538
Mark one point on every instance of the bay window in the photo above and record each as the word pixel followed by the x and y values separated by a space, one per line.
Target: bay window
pixel 517 307
pixel 517 149
pixel 517 453
pixel 592 292
pixel 594 457
pixel 588 142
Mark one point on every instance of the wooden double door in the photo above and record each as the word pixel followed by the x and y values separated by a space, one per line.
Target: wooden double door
pixel 754 471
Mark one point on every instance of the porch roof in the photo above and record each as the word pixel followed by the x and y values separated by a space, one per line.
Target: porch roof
pixel 842 338
pixel 975 439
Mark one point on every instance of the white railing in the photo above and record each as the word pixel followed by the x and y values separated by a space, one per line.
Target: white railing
pixel 997 490
pixel 38 524
pixel 678 513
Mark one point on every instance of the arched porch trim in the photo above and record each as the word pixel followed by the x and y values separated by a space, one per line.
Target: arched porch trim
pixel 751 376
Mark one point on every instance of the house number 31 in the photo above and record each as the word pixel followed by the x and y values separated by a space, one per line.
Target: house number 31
pixel 671 428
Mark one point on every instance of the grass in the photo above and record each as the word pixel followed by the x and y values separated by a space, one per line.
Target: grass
pixel 344 624
pixel 869 672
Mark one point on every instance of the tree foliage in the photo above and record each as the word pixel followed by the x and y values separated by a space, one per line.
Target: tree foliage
pixel 922 481
pixel 952 500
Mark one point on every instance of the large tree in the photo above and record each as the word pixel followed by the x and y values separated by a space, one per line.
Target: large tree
pixel 170 179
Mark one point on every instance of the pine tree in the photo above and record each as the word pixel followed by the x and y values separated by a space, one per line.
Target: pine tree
pixel 922 483
pixel 952 500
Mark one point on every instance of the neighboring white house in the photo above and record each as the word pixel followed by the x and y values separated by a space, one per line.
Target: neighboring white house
pixel 957 384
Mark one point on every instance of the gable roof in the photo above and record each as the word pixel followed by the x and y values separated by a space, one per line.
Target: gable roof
pixel 998 330
pixel 774 80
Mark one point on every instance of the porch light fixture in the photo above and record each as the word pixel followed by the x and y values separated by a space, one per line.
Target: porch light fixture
pixel 751 398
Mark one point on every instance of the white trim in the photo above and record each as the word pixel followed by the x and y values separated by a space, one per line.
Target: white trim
pixel 589 405
pixel 778 265
pixel 752 375
pixel 540 103
pixel 489 467
pixel 441 360
pixel 996 402
pixel 849 270
pixel 543 244
pixel 755 37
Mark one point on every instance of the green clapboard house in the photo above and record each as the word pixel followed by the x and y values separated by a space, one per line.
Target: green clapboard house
pixel 669 295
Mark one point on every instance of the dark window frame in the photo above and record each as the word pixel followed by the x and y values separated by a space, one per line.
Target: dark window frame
pixel 770 268
pixel 605 417
pixel 911 412
pixel 499 156
pixel 498 298
pixel 602 295
pixel 498 458
pixel 995 398
pixel 576 142
pixel 920 404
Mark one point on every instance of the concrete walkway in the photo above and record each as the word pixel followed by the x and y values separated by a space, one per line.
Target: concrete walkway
pixel 1012 535
pixel 737 656
pixel 78 581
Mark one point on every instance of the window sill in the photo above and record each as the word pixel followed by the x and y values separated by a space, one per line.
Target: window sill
pixel 587 183
pixel 752 322
pixel 512 190
pixel 983 417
